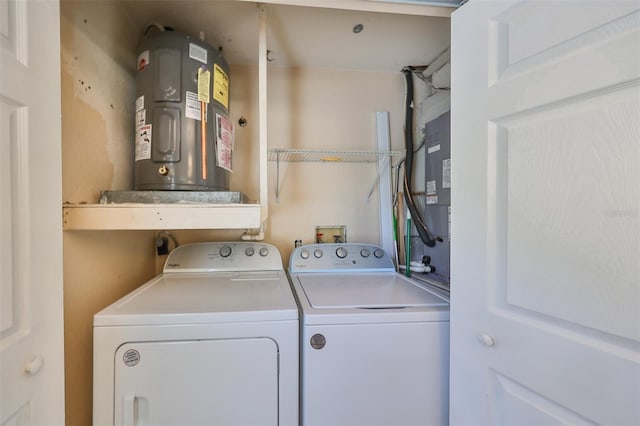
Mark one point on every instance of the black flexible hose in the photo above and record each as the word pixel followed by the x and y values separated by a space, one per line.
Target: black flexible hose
pixel 423 231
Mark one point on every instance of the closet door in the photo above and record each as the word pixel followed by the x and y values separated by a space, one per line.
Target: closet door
pixel 545 300
pixel 31 333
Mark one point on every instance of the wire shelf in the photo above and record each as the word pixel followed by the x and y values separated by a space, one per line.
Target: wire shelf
pixel 323 156
pixel 303 155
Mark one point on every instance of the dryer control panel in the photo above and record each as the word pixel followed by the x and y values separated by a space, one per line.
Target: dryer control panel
pixel 224 256
pixel 347 257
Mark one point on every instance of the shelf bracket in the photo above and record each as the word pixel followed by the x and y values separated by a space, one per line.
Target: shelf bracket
pixel 382 165
pixel 278 177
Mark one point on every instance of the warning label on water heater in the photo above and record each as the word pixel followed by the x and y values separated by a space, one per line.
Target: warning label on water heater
pixel 143 142
pixel 224 142
pixel 220 86
pixel 192 106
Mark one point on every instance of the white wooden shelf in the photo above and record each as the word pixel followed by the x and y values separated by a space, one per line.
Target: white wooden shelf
pixel 161 216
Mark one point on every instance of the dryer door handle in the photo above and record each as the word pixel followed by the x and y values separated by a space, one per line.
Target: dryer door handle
pixel 129 409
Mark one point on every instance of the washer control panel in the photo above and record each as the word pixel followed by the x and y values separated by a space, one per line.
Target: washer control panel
pixel 226 256
pixel 346 257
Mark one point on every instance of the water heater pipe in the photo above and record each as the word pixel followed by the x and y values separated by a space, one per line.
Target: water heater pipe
pixel 203 138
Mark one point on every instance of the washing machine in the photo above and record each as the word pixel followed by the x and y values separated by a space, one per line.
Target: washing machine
pixel 212 340
pixel 374 343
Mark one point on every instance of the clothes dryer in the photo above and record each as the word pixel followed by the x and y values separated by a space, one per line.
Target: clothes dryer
pixel 212 340
pixel 374 344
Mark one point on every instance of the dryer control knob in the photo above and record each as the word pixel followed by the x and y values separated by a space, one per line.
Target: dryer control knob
pixel 365 253
pixel 378 253
pixel 317 253
pixel 304 254
pixel 341 252
pixel 264 251
pixel 225 251
pixel 249 251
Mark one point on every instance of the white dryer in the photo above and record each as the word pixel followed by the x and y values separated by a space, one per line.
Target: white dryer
pixel 213 340
pixel 374 344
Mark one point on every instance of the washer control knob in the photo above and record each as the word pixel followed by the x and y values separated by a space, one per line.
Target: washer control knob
pixel 365 253
pixel 249 251
pixel 341 252
pixel 378 253
pixel 304 254
pixel 317 253
pixel 264 251
pixel 225 251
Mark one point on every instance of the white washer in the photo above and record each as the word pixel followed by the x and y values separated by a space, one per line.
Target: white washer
pixel 374 344
pixel 213 340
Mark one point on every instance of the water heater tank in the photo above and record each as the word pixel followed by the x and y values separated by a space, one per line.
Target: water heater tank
pixel 174 149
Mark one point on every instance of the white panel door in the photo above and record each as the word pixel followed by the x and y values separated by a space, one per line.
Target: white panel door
pixel 31 339
pixel 545 299
pixel 221 382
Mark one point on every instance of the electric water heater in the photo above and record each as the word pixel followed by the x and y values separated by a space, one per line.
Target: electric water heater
pixel 184 137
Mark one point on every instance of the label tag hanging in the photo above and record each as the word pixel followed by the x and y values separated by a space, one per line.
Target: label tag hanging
pixel 204 82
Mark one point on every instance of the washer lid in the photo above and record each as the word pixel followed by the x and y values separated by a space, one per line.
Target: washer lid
pixel 190 298
pixel 366 291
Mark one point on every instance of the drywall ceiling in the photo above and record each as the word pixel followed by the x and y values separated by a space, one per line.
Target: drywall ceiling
pixel 302 36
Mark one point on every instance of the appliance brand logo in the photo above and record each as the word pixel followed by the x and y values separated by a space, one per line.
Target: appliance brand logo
pixel 318 341
pixel 131 358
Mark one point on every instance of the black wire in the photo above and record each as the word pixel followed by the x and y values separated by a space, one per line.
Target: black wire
pixel 423 231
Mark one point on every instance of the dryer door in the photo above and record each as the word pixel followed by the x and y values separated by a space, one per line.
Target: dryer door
pixel 197 382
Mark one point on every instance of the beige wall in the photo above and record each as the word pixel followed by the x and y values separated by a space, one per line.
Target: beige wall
pixel 97 97
pixel 313 109
pixel 332 110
